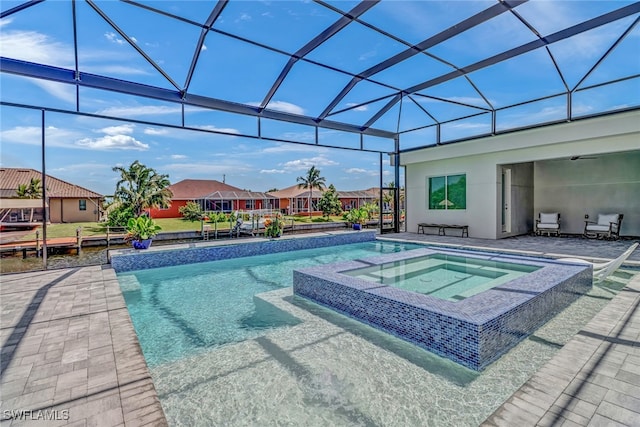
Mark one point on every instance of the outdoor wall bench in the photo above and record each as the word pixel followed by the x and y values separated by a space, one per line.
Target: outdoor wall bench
pixel 442 227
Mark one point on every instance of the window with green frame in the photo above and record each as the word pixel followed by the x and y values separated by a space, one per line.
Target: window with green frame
pixel 82 205
pixel 447 192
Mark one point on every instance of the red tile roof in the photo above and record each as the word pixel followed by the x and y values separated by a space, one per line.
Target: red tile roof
pixel 11 178
pixel 293 192
pixel 296 192
pixel 194 189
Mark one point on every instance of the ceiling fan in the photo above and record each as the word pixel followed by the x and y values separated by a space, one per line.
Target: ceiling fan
pixel 582 157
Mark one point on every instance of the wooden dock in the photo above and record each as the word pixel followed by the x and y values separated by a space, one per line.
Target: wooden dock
pixel 37 245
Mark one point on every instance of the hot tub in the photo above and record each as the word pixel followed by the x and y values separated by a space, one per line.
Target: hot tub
pixel 473 325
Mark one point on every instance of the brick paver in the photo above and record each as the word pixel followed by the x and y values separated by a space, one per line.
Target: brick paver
pixel 70 354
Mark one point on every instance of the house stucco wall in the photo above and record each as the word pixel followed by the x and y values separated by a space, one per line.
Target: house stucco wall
pixel 608 183
pixel 68 210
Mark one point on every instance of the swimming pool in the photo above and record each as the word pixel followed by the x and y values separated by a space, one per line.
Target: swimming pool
pixel 449 277
pixel 181 310
pixel 332 370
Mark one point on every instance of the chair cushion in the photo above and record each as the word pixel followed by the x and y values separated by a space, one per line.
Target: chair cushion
pixel 543 226
pixel 605 219
pixel 597 227
pixel 549 218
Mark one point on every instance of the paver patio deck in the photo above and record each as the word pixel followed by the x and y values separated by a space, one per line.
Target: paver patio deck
pixel 69 351
pixel 70 354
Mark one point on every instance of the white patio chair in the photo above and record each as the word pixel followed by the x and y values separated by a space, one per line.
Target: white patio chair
pixel 602 270
pixel 548 223
pixel 607 226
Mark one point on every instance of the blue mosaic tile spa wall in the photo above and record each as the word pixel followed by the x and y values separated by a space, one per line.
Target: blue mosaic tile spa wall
pixel 131 260
pixel 473 332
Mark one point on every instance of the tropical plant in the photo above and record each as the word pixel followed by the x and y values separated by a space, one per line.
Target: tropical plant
pixel 356 216
pixel 118 215
pixel 33 190
pixel 273 227
pixel 310 181
pixel 371 208
pixel 141 187
pixel 216 217
pixel 141 228
pixel 191 211
pixel 329 203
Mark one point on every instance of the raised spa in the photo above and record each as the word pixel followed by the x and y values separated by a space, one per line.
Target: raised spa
pixel 470 307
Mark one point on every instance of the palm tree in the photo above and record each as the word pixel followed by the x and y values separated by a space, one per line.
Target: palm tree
pixel 310 181
pixel 141 187
pixel 33 190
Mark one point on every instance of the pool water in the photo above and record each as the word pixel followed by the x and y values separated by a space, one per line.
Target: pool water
pixel 182 310
pixel 328 370
pixel 448 277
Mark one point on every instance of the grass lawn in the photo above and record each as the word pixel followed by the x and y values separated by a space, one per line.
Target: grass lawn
pixel 89 229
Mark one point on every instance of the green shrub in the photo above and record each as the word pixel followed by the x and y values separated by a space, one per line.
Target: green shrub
pixel 119 216
pixel 191 211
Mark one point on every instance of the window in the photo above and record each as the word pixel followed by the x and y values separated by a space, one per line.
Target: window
pixel 447 192
pixel 82 204
pixel 250 204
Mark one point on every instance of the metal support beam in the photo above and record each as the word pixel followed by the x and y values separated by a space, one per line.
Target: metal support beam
pixel 19 8
pixel 215 13
pixel 333 29
pixel 396 175
pixel 62 75
pixel 582 27
pixel 450 32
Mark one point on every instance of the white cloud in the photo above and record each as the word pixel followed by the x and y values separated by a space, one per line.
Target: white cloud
pixel 244 17
pixel 178 156
pixel 367 55
pixel 203 48
pixel 294 148
pixel 299 136
pixel 272 171
pixel 155 131
pixel 463 125
pixel 113 38
pixel 362 171
pixel 35 47
pixel 283 106
pixel 360 108
pixel 142 110
pixel 120 69
pixel 217 129
pixel 304 164
pixel 30 135
pixel 117 130
pixel 66 138
pixel 113 142
pixel 207 169
pixel 61 91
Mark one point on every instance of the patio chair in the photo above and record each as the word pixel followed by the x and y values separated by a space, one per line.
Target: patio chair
pixel 607 227
pixel 548 223
pixel 603 270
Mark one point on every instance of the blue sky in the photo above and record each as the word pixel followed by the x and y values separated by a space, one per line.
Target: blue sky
pixel 83 149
